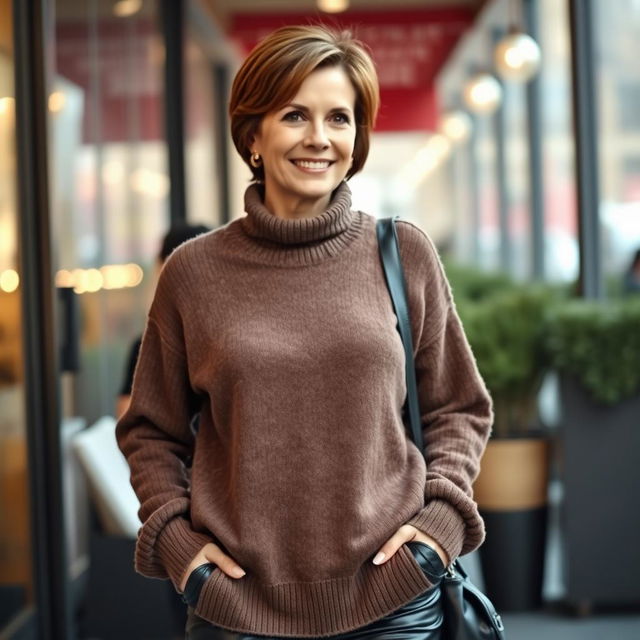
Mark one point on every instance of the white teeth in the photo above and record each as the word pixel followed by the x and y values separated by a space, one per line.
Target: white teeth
pixel 311 165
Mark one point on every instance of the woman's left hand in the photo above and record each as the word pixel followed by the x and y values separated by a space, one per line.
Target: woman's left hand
pixel 406 533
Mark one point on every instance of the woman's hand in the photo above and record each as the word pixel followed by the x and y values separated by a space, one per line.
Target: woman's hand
pixel 407 533
pixel 212 553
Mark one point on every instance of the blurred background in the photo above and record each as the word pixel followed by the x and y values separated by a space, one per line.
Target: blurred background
pixel 509 131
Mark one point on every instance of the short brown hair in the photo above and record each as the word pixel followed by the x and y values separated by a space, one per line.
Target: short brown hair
pixel 274 71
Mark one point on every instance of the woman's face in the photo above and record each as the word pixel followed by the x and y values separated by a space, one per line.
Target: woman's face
pixel 307 146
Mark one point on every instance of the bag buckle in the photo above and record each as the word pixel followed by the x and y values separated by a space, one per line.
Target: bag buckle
pixel 498 619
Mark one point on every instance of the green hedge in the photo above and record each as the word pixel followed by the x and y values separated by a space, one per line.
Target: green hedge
pixel 599 344
pixel 504 322
pixel 520 331
pixel 506 332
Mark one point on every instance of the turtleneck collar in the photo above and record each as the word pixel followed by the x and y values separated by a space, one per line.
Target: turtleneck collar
pixel 261 223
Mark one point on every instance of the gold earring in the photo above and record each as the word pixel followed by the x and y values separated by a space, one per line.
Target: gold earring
pixel 255 160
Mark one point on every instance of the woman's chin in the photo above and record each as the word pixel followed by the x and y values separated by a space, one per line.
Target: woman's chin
pixel 317 191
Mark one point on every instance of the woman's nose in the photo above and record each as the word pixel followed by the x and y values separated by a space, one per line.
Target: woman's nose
pixel 317 136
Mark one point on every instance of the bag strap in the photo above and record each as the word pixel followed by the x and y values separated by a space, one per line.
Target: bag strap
pixel 392 265
pixel 394 275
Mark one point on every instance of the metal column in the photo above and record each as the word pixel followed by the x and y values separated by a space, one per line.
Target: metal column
pixel 41 374
pixel 586 143
pixel 504 205
pixel 536 202
pixel 474 189
pixel 221 80
pixel 172 12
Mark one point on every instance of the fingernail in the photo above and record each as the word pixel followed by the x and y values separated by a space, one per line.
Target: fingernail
pixel 237 572
pixel 379 558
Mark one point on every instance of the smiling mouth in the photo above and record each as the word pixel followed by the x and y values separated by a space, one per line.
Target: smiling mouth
pixel 312 165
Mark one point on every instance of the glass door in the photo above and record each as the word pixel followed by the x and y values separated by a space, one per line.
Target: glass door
pixel 16 588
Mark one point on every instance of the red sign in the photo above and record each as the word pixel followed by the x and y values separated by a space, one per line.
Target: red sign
pixel 408 47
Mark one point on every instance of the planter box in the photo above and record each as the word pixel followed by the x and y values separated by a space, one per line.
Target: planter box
pixel 600 471
pixel 511 492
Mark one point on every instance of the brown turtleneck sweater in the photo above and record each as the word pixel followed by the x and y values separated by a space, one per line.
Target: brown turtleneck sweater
pixel 281 333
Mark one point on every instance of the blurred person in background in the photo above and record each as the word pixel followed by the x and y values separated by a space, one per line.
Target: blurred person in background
pixel 631 282
pixel 307 511
pixel 176 235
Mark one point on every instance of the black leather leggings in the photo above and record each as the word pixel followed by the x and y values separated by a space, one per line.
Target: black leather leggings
pixel 420 619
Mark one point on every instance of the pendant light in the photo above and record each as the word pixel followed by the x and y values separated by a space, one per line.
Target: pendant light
pixel 517 55
pixel 482 93
pixel 126 8
pixel 456 125
pixel 333 6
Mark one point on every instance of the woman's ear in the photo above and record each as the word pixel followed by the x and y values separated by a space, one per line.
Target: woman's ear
pixel 254 141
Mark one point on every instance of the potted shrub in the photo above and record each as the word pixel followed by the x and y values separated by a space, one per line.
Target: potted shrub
pixel 504 323
pixel 595 347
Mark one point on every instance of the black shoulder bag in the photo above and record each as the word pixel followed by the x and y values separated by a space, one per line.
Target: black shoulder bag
pixel 468 613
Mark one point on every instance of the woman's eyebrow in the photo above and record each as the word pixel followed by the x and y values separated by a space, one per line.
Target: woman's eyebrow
pixel 301 107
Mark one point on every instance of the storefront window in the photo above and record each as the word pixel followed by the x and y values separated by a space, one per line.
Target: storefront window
pixel 474 168
pixel 16 588
pixel 203 177
pixel 618 82
pixel 109 182
pixel 558 169
pixel 463 240
pixel 517 180
pixel 486 167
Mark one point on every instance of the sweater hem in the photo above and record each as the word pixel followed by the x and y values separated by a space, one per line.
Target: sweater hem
pixel 312 609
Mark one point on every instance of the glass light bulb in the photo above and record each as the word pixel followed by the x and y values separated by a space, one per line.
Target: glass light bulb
pixel 517 57
pixel 456 126
pixel 333 6
pixel 482 94
pixel 126 8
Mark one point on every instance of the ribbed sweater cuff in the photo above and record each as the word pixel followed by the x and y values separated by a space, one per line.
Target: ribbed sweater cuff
pixel 177 546
pixel 444 524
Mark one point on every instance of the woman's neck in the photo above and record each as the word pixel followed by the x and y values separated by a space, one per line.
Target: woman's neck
pixel 295 208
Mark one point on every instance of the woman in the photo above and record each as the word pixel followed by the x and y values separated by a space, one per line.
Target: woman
pixel 307 511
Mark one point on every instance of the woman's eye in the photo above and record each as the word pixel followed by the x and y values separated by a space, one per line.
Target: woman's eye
pixel 293 116
pixel 341 118
pixel 298 116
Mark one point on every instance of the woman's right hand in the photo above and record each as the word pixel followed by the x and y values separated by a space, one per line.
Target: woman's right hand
pixel 212 553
